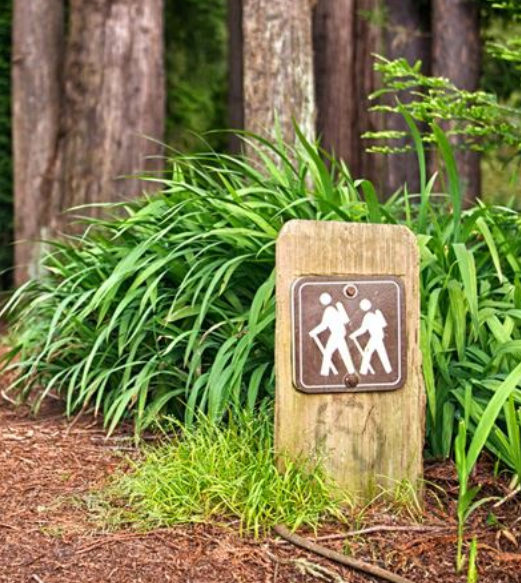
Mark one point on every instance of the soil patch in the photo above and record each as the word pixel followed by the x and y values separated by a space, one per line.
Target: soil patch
pixel 49 469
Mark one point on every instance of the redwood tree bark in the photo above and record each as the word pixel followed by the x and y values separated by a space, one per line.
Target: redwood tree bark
pixel 36 66
pixel 407 36
pixel 334 43
pixel 113 98
pixel 278 66
pixel 347 34
pixel 368 41
pixel 80 120
pixel 456 55
pixel 345 38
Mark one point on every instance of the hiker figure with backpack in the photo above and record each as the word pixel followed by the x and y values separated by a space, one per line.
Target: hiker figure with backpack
pixel 374 324
pixel 334 319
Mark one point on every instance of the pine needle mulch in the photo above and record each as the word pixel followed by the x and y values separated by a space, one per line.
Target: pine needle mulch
pixel 51 469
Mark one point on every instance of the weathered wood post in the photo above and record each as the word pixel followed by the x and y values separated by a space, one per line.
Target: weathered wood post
pixel 349 383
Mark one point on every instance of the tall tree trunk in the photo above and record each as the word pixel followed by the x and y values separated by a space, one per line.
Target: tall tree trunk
pixel 334 42
pixel 456 55
pixel 80 124
pixel 278 67
pixel 346 33
pixel 407 36
pixel 114 97
pixel 37 62
pixel 368 41
pixel 235 73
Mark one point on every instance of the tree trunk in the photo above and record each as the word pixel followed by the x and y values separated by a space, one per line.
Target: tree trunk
pixel 334 42
pixel 278 67
pixel 347 33
pixel 37 62
pixel 114 99
pixel 235 73
pixel 369 40
pixel 81 123
pixel 456 55
pixel 407 36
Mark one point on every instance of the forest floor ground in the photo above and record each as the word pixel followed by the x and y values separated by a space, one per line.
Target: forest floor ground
pixel 50 471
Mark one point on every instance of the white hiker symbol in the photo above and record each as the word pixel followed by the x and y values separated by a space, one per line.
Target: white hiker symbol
pixel 374 324
pixel 335 319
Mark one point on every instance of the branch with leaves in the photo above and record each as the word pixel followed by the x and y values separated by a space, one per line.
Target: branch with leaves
pixel 475 119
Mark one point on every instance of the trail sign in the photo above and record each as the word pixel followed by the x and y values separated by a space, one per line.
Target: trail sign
pixel 348 333
pixel 349 386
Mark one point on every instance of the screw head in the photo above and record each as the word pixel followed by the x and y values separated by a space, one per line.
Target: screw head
pixel 350 291
pixel 351 380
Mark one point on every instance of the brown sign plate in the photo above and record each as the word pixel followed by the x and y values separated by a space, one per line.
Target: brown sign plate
pixel 348 334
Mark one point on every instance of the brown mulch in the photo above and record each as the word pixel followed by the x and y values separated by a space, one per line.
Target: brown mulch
pixel 49 470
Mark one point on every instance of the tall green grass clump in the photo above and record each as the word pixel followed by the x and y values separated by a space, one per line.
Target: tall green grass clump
pixel 169 309
pixel 220 472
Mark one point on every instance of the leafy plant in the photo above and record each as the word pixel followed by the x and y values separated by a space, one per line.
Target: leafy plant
pixel 477 117
pixel 170 309
pixel 467 459
pixel 216 472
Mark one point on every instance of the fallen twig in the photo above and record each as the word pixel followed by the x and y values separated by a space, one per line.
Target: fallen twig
pixel 381 528
pixel 511 495
pixel 339 558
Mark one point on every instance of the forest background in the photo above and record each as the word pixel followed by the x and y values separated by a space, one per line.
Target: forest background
pixel 199 49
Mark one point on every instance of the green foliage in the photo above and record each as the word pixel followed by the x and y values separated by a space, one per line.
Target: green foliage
pixel 501 74
pixel 195 35
pixel 217 472
pixel 466 459
pixel 476 117
pixel 6 170
pixel 170 309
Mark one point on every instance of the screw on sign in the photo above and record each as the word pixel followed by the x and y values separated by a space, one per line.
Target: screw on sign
pixel 348 333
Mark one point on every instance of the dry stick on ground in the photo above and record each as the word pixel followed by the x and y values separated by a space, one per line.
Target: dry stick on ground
pixel 338 558
pixel 381 528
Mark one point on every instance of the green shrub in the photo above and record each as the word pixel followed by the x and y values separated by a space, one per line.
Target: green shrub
pixel 217 472
pixel 170 309
pixel 196 73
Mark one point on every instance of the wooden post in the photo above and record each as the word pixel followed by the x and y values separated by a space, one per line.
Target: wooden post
pixel 366 435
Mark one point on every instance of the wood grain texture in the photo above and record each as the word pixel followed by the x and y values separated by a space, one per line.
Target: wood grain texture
pixel 366 439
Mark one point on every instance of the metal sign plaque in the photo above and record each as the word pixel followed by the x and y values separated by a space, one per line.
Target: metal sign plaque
pixel 348 334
